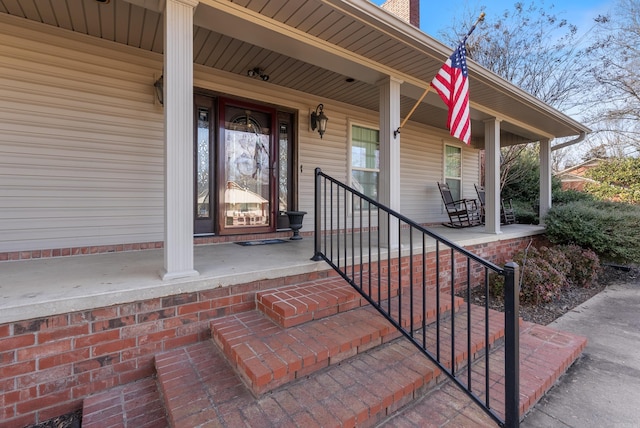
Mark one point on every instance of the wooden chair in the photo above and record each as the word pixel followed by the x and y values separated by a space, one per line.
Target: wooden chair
pixel 463 212
pixel 507 213
pixel 481 198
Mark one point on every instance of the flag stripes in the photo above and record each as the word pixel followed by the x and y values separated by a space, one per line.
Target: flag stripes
pixel 452 85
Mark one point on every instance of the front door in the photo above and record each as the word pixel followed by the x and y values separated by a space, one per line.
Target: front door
pixel 244 176
pixel 247 168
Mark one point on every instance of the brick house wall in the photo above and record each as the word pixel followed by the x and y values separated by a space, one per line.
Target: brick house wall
pixel 49 365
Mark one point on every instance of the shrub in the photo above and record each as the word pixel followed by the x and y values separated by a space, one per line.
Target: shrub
pixel 540 281
pixel 566 196
pixel 557 258
pixel 525 213
pixel 610 229
pixel 546 271
pixel 585 265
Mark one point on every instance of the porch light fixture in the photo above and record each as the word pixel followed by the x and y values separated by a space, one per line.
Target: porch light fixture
pixel 159 87
pixel 319 120
pixel 257 72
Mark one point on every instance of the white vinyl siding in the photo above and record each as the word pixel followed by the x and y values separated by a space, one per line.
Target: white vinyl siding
pixel 82 150
pixel 81 146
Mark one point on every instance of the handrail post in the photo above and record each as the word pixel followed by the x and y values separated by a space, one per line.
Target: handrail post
pixel 317 220
pixel 512 344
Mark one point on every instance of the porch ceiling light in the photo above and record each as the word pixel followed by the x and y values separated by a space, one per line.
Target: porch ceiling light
pixel 159 87
pixel 257 72
pixel 319 120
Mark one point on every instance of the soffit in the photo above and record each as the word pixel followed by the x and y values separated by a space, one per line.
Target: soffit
pixel 312 46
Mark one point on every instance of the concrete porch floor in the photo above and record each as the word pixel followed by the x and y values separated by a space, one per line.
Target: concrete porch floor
pixel 43 287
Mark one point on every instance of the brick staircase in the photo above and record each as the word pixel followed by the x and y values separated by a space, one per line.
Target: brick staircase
pixel 316 354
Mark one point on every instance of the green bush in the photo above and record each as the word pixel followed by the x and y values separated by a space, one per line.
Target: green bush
pixel 525 212
pixel 566 196
pixel 610 229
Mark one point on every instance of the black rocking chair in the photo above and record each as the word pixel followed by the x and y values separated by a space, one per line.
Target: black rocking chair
pixel 507 213
pixel 463 212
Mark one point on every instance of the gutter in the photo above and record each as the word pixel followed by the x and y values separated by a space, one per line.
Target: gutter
pixel 580 138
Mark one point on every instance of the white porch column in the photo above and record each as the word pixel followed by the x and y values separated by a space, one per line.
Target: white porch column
pixel 545 179
pixel 389 180
pixel 492 175
pixel 178 157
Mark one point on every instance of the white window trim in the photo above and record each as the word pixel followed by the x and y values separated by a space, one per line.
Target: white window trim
pixel 350 124
pixel 444 163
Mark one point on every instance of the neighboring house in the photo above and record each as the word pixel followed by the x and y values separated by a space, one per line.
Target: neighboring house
pixel 132 124
pixel 573 178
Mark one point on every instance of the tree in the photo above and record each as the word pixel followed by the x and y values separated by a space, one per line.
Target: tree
pixel 615 69
pixel 531 47
pixel 616 179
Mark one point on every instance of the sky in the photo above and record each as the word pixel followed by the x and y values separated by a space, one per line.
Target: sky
pixel 438 15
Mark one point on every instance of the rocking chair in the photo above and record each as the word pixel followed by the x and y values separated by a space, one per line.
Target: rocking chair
pixel 463 212
pixel 507 213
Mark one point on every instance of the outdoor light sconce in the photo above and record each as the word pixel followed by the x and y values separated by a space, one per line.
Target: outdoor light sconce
pixel 319 120
pixel 158 85
pixel 257 72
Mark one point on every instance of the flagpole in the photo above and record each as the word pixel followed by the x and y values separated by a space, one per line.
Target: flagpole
pixel 426 91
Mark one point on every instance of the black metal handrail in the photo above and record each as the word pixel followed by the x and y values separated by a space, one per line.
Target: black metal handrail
pixel 366 243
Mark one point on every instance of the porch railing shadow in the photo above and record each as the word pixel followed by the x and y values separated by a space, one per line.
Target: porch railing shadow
pixel 414 278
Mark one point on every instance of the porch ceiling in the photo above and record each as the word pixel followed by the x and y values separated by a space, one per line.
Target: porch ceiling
pixel 313 46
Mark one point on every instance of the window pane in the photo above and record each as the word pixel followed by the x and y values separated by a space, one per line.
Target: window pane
pixel 454 186
pixel 365 162
pixel 202 164
pixel 365 148
pixel 453 162
pixel 366 182
pixel 283 173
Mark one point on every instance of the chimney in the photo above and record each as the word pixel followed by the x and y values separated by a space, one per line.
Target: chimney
pixel 407 10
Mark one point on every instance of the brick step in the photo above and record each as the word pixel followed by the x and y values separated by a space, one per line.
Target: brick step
pixel 545 354
pixel 134 405
pixel 296 304
pixel 200 387
pixel 267 356
pixel 392 385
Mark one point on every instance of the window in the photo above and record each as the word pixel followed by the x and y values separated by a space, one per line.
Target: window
pixel 365 160
pixel 453 170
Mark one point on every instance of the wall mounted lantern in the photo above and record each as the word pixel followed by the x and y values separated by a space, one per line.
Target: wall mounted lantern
pixel 319 120
pixel 159 87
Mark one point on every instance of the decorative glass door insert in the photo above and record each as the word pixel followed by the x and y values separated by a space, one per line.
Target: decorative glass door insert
pixel 247 172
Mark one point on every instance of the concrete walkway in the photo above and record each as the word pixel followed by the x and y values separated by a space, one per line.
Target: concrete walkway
pixel 602 389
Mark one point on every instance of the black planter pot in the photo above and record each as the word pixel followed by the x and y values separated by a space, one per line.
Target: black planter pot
pixel 295 223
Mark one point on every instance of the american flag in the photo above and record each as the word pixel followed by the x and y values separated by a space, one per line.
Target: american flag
pixel 453 86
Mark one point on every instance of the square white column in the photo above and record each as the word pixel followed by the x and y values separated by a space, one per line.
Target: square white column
pixel 545 179
pixel 389 180
pixel 492 176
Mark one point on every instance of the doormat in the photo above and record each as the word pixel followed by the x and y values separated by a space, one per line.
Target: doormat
pixel 261 242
